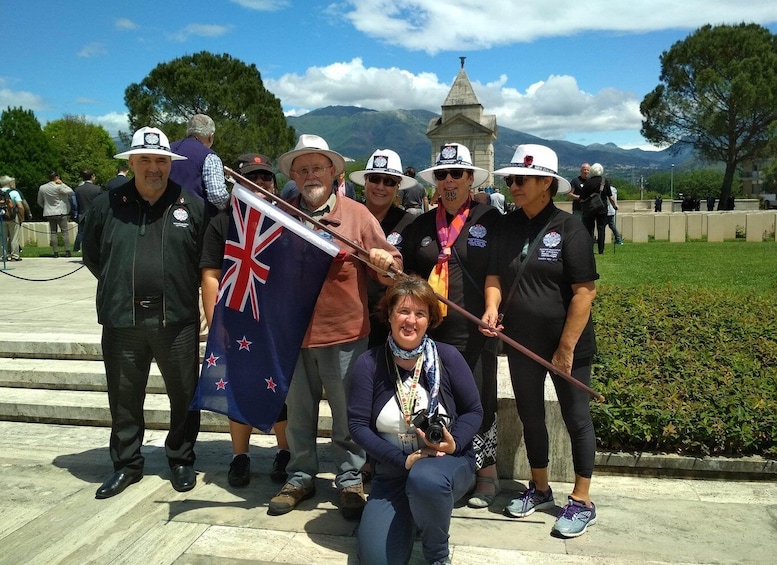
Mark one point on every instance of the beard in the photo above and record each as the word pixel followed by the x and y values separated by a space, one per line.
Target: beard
pixel 315 194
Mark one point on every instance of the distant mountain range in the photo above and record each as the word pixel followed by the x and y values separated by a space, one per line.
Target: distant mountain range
pixel 357 132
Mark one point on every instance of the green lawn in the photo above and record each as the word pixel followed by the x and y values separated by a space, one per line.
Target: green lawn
pixel 735 265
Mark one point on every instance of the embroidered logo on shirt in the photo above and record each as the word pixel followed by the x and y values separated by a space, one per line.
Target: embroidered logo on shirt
pixel 394 238
pixel 552 239
pixel 551 251
pixel 426 241
pixel 180 217
pixel 478 230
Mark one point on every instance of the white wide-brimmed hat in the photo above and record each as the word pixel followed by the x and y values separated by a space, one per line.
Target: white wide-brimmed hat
pixel 307 144
pixel 150 140
pixel 535 160
pixel 387 162
pixel 454 156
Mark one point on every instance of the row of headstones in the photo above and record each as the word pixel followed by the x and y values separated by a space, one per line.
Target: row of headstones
pixel 37 233
pixel 676 227
pixel 715 226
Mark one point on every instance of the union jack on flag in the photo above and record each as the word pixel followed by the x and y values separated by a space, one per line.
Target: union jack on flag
pixel 239 282
pixel 277 265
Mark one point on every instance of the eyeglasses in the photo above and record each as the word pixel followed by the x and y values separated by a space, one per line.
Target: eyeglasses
pixel 316 170
pixel 519 180
pixel 442 174
pixel 266 176
pixel 387 181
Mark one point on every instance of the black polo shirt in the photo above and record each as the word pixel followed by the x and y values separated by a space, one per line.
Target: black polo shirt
pixel 466 269
pixel 564 256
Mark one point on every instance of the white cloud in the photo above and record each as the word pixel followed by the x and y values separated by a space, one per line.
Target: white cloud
pixel 434 26
pixel 555 108
pixel 112 122
pixel 93 50
pixel 125 23
pixel 200 30
pixel 262 5
pixel 20 98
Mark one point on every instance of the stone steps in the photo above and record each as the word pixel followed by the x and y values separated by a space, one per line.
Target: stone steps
pixel 90 408
pixel 59 380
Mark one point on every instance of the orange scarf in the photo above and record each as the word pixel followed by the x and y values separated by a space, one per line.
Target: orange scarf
pixel 446 235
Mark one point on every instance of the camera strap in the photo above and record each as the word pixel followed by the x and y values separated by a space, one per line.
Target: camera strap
pixel 407 395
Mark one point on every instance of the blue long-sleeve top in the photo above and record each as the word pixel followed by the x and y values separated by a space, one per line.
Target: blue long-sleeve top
pixel 373 384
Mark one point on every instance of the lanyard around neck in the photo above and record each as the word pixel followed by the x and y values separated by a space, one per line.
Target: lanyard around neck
pixel 407 398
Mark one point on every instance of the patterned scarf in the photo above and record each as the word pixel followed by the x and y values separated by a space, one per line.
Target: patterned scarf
pixel 428 349
pixel 447 235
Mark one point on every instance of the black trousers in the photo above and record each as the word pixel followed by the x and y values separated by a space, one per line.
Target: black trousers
pixel 601 224
pixel 528 378
pixel 127 353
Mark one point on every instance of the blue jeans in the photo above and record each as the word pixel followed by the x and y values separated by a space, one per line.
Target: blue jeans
pixel 611 225
pixel 400 501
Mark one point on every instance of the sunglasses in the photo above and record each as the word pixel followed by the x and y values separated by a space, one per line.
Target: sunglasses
pixel 256 175
pixel 387 181
pixel 519 180
pixel 442 174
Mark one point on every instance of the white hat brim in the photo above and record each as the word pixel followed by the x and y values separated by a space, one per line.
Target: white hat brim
pixel 479 175
pixel 359 177
pixel 173 156
pixel 563 184
pixel 285 161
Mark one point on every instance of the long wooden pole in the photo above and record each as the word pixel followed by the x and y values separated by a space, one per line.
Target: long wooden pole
pixel 286 207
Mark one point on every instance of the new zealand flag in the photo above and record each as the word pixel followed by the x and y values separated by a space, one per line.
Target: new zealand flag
pixel 273 270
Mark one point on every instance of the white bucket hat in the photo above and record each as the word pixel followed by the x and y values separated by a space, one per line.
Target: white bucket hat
pixel 150 140
pixel 387 162
pixel 307 144
pixel 454 156
pixel 535 160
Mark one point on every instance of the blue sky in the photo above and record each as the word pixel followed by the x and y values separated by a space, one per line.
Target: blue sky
pixel 563 69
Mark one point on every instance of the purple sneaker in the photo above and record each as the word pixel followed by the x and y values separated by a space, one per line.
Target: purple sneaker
pixel 574 519
pixel 530 500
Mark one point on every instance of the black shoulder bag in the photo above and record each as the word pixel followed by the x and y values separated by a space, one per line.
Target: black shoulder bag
pixel 594 205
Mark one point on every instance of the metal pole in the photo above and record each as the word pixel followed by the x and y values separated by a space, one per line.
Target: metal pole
pixel 671 186
pixel 286 207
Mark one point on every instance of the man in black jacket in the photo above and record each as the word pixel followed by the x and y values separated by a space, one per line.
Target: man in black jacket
pixel 143 241
pixel 577 187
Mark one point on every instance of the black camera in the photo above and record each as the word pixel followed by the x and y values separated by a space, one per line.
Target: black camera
pixel 431 425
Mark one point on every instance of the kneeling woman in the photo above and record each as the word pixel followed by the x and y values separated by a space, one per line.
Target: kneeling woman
pixel 397 389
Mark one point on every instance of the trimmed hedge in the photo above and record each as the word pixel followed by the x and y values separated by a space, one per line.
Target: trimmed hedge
pixel 687 371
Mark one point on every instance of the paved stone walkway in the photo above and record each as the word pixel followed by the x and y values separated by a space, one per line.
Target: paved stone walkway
pixel 49 473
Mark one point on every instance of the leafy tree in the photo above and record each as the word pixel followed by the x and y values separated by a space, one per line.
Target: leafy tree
pixel 24 152
pixel 718 92
pixel 698 183
pixel 247 116
pixel 78 145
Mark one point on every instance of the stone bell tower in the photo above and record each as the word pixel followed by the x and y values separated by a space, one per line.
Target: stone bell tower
pixel 463 121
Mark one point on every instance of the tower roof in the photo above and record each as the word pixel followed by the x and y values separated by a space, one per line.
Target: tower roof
pixel 461 93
